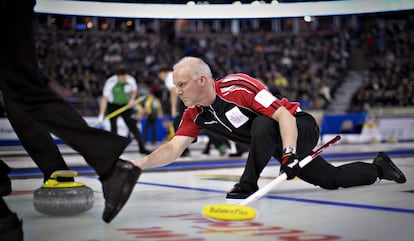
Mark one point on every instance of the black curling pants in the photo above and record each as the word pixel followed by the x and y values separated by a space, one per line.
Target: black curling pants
pixel 266 142
pixel 35 110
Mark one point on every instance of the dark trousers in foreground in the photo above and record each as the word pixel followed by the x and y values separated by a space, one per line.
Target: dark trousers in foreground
pixel 35 111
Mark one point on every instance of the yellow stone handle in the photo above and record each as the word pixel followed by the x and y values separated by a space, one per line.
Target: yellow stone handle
pixel 63 173
pixel 54 183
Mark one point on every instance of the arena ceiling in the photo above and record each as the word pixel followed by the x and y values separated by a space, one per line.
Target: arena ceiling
pixel 213 10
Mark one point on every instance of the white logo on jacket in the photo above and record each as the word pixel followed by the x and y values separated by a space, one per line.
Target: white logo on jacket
pixel 236 117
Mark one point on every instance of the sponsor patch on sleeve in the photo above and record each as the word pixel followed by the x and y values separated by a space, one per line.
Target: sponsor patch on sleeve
pixel 265 98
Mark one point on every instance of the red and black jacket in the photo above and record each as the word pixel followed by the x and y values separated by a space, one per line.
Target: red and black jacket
pixel 240 98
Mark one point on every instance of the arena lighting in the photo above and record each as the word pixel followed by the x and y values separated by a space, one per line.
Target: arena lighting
pixel 307 19
pixel 220 11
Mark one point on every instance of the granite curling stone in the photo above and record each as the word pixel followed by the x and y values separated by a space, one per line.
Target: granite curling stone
pixel 63 198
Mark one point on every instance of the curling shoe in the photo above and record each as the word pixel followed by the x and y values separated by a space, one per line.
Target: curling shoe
pixel 237 192
pixel 118 187
pixel 144 151
pixel 387 169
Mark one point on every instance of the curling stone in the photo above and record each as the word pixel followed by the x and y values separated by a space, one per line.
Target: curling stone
pixel 63 198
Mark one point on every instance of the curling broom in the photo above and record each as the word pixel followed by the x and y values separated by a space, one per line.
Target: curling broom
pixel 241 212
pixel 119 111
pixel 123 108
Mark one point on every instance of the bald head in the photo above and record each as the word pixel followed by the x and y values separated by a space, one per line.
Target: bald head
pixel 194 82
pixel 193 68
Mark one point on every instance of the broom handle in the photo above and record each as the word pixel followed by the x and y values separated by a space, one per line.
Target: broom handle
pixel 282 177
pixel 123 108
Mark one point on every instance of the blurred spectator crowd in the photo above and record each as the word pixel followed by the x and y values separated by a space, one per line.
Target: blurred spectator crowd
pixel 389 80
pixel 307 67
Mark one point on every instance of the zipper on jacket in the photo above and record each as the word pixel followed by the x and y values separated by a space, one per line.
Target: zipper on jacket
pixel 218 119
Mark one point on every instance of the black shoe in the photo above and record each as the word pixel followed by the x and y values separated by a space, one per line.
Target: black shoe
pixel 186 153
pixel 5 182
pixel 118 188
pixel 237 154
pixel 144 151
pixel 11 228
pixel 389 170
pixel 237 192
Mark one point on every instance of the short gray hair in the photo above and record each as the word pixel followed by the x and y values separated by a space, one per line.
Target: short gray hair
pixel 194 66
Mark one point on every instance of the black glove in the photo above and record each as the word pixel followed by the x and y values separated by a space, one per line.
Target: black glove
pixel 290 165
